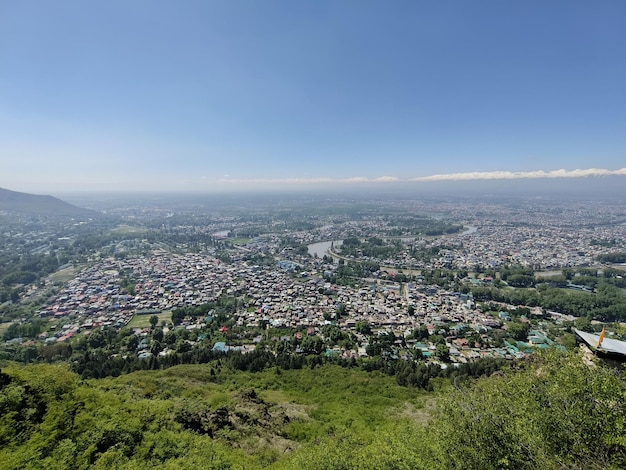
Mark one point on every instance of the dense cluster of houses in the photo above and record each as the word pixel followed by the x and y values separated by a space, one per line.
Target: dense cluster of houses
pixel 111 292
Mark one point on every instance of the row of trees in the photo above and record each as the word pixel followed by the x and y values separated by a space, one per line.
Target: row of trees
pixel 372 247
pixel 351 272
pixel 607 304
pixel 24 330
pixel 28 268
pixel 619 257
pixel 93 358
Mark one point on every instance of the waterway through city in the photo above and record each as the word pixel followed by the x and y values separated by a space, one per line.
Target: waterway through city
pixel 321 248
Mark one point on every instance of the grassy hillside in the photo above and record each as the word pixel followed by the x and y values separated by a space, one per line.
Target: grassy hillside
pixel 552 413
pixel 186 416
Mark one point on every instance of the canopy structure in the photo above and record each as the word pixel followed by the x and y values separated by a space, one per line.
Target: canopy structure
pixel 601 344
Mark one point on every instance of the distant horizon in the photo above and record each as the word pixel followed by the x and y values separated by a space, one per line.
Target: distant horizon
pixel 475 179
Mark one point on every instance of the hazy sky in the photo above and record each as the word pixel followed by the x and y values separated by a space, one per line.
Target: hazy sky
pixel 131 94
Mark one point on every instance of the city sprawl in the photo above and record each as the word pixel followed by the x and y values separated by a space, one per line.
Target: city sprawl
pixel 441 282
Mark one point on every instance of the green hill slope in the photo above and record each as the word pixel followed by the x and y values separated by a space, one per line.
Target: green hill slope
pixel 552 413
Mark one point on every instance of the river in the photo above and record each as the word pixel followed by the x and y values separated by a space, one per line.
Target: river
pixel 321 248
pixel 470 229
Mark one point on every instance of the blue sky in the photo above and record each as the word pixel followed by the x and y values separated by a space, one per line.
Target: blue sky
pixel 205 95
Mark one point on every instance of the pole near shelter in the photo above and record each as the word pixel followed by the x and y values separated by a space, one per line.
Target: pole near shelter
pixel 601 338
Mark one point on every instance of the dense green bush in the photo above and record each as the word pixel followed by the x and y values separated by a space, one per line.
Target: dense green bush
pixel 550 412
pixel 553 412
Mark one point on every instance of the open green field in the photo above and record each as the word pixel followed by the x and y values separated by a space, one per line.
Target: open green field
pixel 240 241
pixel 568 290
pixel 128 230
pixel 4 327
pixel 143 321
pixel 64 275
pixel 548 274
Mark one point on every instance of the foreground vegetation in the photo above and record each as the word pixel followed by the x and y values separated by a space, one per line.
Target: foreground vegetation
pixel 552 411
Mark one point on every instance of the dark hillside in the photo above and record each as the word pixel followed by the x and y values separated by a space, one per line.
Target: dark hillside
pixel 24 203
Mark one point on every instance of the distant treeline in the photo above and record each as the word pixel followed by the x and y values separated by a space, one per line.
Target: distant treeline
pixel 607 304
pixel 613 258
pixel 27 269
pixel 98 364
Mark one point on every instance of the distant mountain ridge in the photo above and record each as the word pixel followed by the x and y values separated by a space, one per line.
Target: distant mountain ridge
pixel 25 203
